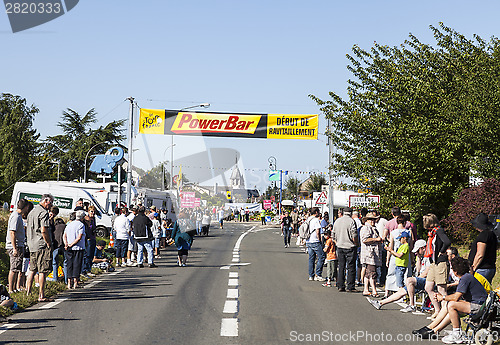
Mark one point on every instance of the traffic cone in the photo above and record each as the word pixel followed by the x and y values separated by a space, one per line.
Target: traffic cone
pixel 111 240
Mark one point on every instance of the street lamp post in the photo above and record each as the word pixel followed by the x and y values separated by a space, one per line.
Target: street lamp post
pixel 163 167
pixel 58 162
pixel 202 105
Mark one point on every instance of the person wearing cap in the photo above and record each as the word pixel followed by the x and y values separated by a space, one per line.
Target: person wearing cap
pixel 483 252
pixel 393 280
pixel 402 257
pixel 413 284
pixel 345 236
pixel 370 255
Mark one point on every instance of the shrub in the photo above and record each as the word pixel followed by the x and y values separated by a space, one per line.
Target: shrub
pixel 470 202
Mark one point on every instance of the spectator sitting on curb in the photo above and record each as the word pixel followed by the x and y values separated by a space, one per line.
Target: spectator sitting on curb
pixel 100 261
pixel 5 299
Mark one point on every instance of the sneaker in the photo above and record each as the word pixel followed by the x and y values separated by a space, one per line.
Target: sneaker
pixel 123 265
pixel 408 309
pixel 140 266
pixel 455 337
pixel 319 279
pixel 326 285
pixel 374 303
pixel 421 330
pixel 311 278
pixel 152 266
pixel 91 274
pixel 132 264
pixel 183 265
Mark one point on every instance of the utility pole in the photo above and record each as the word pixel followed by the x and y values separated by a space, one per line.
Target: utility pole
pixel 330 177
pixel 130 151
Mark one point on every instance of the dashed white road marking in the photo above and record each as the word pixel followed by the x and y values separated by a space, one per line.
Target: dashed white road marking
pixel 232 293
pixel 231 307
pixel 53 304
pixel 232 282
pixel 236 260
pixel 229 327
pixel 233 274
pixel 4 328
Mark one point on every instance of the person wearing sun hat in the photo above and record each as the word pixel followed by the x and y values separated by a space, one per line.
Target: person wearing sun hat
pixel 371 257
pixel 482 255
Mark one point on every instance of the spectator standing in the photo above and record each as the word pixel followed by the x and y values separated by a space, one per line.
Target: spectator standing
pixel 58 245
pixel 370 257
pixel 14 243
pixel 346 238
pixel 74 244
pixel 295 221
pixel 205 223
pixel 40 245
pixel 437 244
pixel 132 245
pixel 483 252
pixel 286 228
pixel 331 258
pixel 144 237
pixel 402 258
pixel 122 229
pixel 90 241
pixel 157 234
pixel 220 217
pixel 314 248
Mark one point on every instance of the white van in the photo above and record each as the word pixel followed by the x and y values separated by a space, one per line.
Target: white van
pixel 105 193
pixel 65 198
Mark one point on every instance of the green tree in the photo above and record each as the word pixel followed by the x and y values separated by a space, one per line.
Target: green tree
pixel 418 118
pixel 315 182
pixel 18 140
pixel 152 178
pixel 71 147
pixel 292 186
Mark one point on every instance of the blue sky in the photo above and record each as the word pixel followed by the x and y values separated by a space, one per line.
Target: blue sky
pixel 240 56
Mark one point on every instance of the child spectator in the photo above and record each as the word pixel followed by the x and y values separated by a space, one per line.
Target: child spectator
pixel 331 257
pixel 402 257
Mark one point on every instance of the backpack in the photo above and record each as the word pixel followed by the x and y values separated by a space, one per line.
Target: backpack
pixel 304 230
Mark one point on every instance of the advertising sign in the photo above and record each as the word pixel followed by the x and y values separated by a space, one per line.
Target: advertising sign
pixel 242 125
pixel 267 204
pixel 188 199
pixel 60 202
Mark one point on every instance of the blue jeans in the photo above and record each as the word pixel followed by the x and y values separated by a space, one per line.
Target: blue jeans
pixel 89 255
pixel 287 233
pixel 198 227
pixel 55 253
pixel 316 252
pixel 487 273
pixel 140 251
pixel 400 276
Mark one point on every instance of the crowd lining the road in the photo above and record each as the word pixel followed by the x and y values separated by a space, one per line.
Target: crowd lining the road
pixel 42 246
pixel 364 249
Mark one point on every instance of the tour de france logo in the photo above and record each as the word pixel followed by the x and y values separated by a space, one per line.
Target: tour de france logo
pixel 26 14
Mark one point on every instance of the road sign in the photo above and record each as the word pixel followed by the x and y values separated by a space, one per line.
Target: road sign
pixel 274 175
pixel 228 195
pixel 273 198
pixel 364 201
pixel 267 204
pixel 320 199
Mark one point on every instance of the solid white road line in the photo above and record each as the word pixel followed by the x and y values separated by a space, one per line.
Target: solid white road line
pixel 232 293
pixel 233 274
pixel 230 307
pixel 229 328
pixel 4 328
pixel 232 282
pixel 53 304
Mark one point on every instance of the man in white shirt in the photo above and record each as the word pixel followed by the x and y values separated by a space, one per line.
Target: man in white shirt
pixel 314 247
pixel 122 229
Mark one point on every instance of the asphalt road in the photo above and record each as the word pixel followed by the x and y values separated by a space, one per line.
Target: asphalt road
pixel 271 301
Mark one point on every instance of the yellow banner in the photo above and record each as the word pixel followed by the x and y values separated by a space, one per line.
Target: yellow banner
pixel 288 126
pixel 215 123
pixel 151 121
